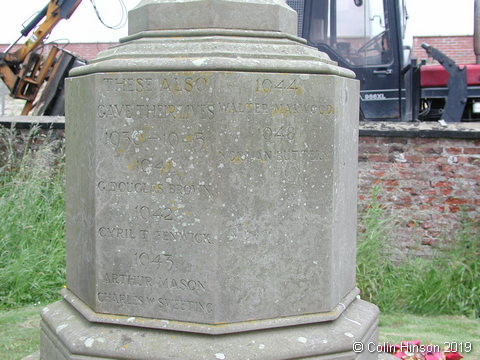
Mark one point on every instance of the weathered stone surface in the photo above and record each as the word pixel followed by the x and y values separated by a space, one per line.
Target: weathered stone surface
pixel 211 197
pixel 212 186
pixel 211 329
pixel 275 15
pixel 213 50
pixel 66 335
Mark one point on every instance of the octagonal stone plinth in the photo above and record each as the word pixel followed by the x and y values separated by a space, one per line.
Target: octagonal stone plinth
pixel 211 193
pixel 211 197
pixel 67 335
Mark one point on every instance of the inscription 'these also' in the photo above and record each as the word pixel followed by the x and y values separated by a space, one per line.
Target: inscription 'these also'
pixel 147 84
pixel 190 84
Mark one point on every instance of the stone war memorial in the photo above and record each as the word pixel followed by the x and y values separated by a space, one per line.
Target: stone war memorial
pixel 211 193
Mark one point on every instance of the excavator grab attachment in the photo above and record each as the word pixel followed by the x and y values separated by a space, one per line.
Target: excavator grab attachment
pixel 25 70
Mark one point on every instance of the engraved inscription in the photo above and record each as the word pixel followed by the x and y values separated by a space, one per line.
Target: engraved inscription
pixel 128 279
pixel 146 137
pixel 137 84
pixel 155 260
pixel 296 108
pixel 284 109
pixel 164 304
pixel 180 284
pixel 241 156
pixel 180 305
pixel 191 166
pixel 156 111
pixel 282 133
pixel 168 236
pixel 156 214
pixel 121 298
pixel 167 84
pixel 122 233
pixel 189 189
pixel 267 85
pixel 233 107
pixel 184 236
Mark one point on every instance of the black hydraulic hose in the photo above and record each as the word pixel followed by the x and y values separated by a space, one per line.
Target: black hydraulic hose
pixel 26 30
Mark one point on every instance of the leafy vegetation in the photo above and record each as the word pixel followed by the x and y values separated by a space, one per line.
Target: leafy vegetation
pixel 19 332
pixel 449 283
pixel 31 218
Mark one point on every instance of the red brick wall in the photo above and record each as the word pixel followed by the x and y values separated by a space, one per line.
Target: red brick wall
pixel 425 185
pixel 458 48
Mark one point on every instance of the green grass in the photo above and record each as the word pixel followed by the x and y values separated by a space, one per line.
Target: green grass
pixel 436 330
pixel 448 283
pixel 19 331
pixel 32 267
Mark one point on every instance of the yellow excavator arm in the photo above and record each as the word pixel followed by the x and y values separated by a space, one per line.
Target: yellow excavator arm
pixel 24 70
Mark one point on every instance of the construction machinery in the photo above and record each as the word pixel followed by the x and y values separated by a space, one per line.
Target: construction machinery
pixel 29 74
pixel 367 36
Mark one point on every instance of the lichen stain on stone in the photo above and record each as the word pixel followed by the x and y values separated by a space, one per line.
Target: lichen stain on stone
pixel 237 160
pixel 60 328
pixel 188 138
pixel 120 151
pixel 302 340
pixel 298 91
pixel 140 137
pixel 89 342
pixel 132 166
pixel 199 62
pixel 125 341
pixel 170 109
pixel 167 167
pixel 158 187
pixel 281 110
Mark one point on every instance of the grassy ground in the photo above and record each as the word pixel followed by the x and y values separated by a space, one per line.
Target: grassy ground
pixel 19 331
pixel 32 248
pixel 447 284
pixel 436 330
